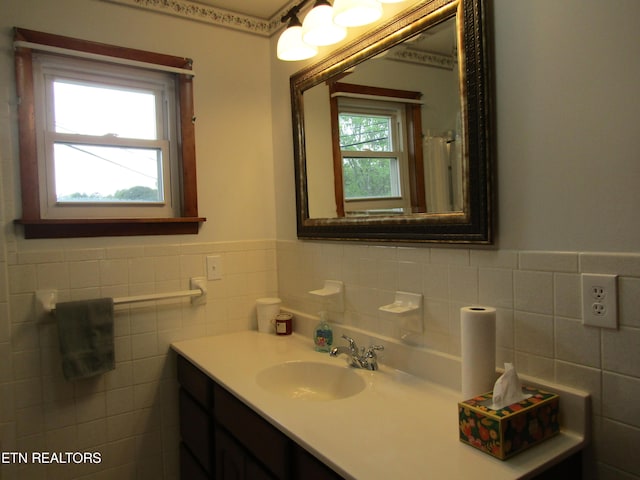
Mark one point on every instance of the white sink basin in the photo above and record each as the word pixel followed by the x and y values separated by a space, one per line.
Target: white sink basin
pixel 310 381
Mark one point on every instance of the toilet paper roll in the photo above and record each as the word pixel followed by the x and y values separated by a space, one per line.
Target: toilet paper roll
pixel 478 349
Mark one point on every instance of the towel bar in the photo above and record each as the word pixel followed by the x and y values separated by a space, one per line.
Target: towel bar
pixel 198 293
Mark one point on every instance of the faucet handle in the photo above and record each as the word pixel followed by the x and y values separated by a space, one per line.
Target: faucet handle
pixel 352 343
pixel 371 351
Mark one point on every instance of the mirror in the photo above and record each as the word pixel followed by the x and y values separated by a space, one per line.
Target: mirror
pixel 392 132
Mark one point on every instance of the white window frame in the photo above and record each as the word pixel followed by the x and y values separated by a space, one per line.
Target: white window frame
pixel 396 112
pixel 48 67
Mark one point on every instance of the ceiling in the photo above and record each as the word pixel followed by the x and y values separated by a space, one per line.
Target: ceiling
pixel 263 9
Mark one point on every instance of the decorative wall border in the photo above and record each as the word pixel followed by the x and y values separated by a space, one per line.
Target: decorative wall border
pixel 212 15
pixel 423 58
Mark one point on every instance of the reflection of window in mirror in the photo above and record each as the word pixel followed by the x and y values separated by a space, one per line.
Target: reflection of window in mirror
pixel 374 160
pixel 377 150
pixel 107 140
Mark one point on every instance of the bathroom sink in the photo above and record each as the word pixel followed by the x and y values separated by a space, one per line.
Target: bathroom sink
pixel 310 380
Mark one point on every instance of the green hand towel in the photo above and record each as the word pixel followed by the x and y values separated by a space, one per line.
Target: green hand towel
pixel 85 331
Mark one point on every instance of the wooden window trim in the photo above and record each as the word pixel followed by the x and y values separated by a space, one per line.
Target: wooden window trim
pixel 413 120
pixel 34 225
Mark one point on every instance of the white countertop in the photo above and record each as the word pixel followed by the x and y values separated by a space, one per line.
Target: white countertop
pixel 399 426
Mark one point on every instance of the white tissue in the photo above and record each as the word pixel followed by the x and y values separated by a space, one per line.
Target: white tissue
pixel 507 389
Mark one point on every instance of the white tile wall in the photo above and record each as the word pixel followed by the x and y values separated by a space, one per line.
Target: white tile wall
pixel 538 300
pixel 129 415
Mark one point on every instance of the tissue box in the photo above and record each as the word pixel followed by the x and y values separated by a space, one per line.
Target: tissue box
pixel 510 430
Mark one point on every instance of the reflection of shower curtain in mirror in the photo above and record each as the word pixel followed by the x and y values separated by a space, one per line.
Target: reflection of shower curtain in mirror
pixel 442 174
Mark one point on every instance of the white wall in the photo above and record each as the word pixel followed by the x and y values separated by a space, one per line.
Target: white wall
pixel 232 107
pixel 568 137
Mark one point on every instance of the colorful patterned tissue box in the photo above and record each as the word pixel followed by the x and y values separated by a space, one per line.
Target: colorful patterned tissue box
pixel 510 430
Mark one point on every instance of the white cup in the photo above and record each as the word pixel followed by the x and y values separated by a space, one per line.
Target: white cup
pixel 267 309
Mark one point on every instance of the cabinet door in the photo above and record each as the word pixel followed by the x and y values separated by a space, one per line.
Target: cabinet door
pixel 234 463
pixel 196 430
pixel 306 466
pixel 265 442
pixel 190 469
pixel 229 458
pixel 199 386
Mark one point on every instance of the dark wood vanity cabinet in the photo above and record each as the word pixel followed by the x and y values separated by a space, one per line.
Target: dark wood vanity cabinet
pixel 224 439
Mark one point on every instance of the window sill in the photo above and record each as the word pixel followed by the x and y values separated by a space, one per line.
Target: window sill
pixel 109 227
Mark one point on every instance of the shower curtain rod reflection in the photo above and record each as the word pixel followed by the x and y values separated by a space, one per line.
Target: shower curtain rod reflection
pixel 198 293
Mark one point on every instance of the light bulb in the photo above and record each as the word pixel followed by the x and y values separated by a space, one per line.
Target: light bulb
pixel 290 44
pixel 354 13
pixel 318 27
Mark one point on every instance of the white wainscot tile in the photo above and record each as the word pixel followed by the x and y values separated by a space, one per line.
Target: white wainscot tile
pixel 91 407
pixel 149 369
pixel 534 333
pixel 549 261
pixel 144 345
pixel 534 291
pixel 141 270
pixel 576 342
pixel 53 275
pixel 629 301
pixel 145 394
pixel 625 264
pixel 496 287
pixel 84 274
pixel 504 328
pixel 495 258
pixel 435 281
pixel 22 278
pixel 620 351
pixel 114 272
pixel 92 434
pixel 583 378
pixel 617 445
pixel 119 400
pixel 463 284
pixel 567 295
pixel 535 366
pixel 620 394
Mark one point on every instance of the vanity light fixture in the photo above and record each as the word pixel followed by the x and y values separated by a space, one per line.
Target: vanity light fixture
pixel 355 13
pixel 290 44
pixel 324 25
pixel 318 27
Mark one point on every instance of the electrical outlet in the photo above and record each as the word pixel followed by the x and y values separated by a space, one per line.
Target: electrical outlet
pixel 599 300
pixel 214 267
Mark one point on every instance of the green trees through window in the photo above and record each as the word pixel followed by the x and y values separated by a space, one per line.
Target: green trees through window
pixel 372 173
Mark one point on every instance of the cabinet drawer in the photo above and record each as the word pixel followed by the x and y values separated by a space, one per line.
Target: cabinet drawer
pixel 196 430
pixel 265 442
pixel 195 382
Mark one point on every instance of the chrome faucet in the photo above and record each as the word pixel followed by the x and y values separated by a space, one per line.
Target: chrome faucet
pixel 363 358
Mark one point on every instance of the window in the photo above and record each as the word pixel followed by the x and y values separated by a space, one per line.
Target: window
pixel 373 161
pixel 110 149
pixel 378 137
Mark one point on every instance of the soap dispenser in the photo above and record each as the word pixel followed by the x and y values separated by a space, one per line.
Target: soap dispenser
pixel 323 334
